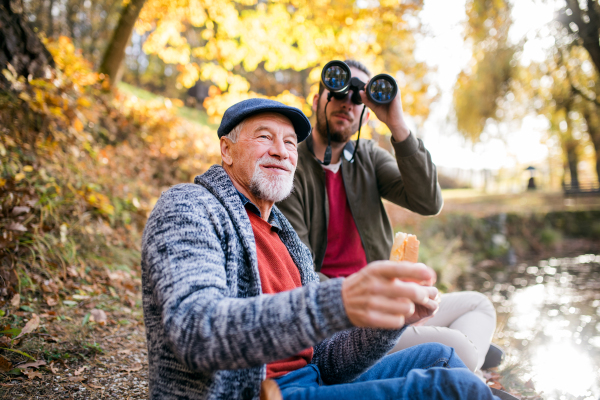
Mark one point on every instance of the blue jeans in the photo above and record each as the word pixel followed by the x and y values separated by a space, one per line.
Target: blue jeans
pixel 427 371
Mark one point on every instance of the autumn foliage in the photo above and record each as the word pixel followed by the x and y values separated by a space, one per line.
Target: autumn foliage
pixel 80 173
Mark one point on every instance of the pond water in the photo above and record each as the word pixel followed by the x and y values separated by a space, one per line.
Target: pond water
pixel 548 324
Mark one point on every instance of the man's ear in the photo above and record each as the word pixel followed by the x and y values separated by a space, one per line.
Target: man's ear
pixel 315 105
pixel 226 155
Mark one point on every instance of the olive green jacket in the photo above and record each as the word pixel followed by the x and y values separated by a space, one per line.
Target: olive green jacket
pixel 409 181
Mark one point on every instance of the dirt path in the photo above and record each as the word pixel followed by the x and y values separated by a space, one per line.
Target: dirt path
pixel 83 359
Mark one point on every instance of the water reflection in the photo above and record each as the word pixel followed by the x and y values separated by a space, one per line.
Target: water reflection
pixel 562 368
pixel 549 323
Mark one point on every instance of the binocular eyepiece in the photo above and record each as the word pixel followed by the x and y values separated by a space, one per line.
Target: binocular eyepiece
pixel 336 77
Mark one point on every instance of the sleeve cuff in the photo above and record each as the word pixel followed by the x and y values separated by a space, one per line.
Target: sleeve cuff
pixel 407 147
pixel 330 297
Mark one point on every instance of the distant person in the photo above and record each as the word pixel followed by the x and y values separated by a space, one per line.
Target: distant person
pixel 231 297
pixel 337 211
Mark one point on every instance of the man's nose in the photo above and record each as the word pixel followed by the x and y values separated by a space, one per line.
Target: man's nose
pixel 347 100
pixel 278 149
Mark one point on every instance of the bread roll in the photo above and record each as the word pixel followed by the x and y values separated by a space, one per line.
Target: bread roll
pixel 405 248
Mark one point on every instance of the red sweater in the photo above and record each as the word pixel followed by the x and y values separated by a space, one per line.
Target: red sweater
pixel 278 273
pixel 345 253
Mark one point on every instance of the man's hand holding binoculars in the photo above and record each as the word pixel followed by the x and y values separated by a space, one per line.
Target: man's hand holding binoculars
pixel 380 94
pixel 390 114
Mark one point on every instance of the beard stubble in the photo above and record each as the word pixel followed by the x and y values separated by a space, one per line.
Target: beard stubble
pixel 337 135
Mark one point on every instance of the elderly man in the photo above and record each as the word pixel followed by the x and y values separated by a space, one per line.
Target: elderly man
pixel 231 298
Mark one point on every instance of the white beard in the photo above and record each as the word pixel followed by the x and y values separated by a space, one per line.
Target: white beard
pixel 272 187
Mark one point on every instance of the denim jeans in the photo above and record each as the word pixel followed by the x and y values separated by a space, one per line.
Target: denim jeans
pixel 427 371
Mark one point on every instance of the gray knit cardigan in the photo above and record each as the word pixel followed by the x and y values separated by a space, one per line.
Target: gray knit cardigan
pixel 210 330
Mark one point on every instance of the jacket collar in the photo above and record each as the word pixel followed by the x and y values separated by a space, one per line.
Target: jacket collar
pixel 218 183
pixel 347 153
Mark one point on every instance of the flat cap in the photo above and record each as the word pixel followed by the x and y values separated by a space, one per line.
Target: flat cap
pixel 244 109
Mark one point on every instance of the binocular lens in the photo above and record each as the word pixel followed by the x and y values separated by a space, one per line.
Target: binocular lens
pixel 382 90
pixel 336 77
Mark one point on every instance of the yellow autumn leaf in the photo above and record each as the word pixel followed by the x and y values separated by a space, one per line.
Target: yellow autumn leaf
pixel 19 177
pixel 28 168
pixel 78 125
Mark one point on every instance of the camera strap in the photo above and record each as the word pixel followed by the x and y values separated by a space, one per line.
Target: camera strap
pixel 328 152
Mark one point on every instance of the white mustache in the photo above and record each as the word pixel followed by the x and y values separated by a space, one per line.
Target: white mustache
pixel 285 164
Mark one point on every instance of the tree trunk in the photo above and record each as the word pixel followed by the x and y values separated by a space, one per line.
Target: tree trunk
pixel 588 32
pixel 592 120
pixel 19 45
pixel 572 161
pixel 571 147
pixel 50 31
pixel 115 51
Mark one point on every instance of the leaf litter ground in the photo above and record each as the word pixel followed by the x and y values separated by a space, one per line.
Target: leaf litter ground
pixel 71 356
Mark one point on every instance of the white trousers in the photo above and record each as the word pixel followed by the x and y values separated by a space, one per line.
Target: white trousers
pixel 465 321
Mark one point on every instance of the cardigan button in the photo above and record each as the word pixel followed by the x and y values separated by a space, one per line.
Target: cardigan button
pixel 247 394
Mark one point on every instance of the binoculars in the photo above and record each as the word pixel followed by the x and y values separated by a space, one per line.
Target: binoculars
pixel 336 77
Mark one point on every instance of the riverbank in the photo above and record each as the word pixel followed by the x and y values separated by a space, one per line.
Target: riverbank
pixel 483 230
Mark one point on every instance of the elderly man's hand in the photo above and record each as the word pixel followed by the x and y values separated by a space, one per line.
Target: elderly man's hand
pixel 388 295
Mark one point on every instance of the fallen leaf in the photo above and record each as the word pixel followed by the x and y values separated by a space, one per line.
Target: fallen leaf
pixel 16 300
pixel 49 286
pixel 132 369
pixel 15 371
pixel 95 386
pixel 30 326
pixel 5 365
pixel 496 385
pixel 53 369
pixel 80 370
pixel 4 341
pixel 77 378
pixel 20 210
pixel 35 364
pixel 15 226
pixel 32 374
pixel 98 316
pixel 51 301
pixel 72 272
pixel 124 351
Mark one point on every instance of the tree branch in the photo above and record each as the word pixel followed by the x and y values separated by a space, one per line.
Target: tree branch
pixel 584 95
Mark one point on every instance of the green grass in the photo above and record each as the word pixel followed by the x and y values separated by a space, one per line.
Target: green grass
pixel 190 114
pixel 138 92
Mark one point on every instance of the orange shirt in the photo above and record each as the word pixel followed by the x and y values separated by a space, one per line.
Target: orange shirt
pixel 278 273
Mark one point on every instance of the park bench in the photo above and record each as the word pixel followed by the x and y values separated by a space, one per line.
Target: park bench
pixel 582 189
